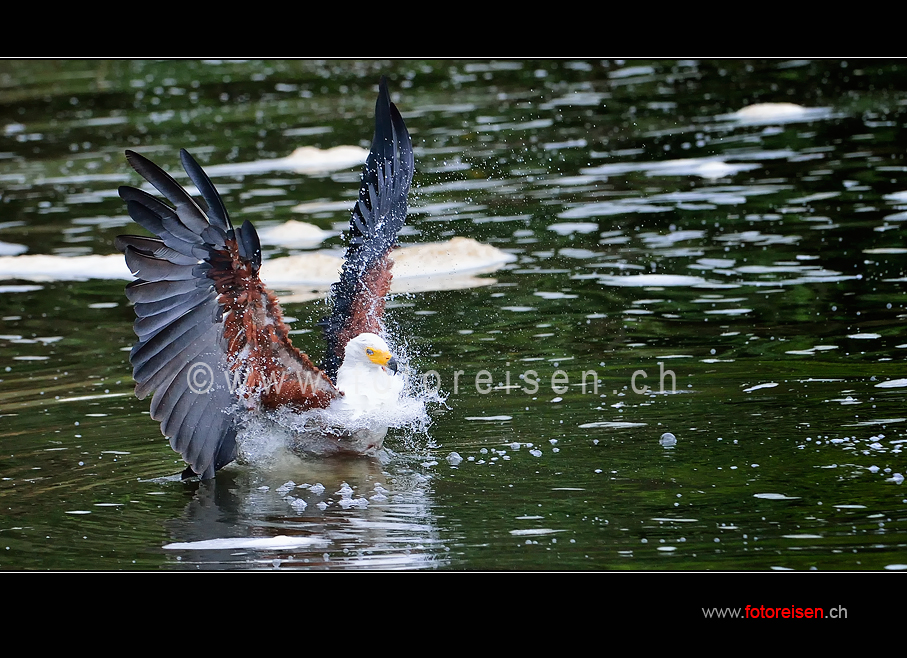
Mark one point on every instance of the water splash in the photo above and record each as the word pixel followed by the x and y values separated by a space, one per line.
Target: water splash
pixel 270 438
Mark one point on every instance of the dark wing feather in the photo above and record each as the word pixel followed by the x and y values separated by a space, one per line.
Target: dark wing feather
pixel 158 315
pixel 199 304
pixel 188 213
pixel 217 213
pixel 358 297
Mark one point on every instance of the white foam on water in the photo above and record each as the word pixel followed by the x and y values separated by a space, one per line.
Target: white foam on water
pixel 252 543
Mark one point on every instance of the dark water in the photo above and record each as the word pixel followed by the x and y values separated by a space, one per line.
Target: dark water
pixel 749 269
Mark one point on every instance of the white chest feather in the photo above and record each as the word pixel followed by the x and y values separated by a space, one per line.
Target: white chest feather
pixel 367 388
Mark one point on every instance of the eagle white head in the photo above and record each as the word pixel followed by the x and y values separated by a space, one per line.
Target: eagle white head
pixel 368 376
pixel 367 349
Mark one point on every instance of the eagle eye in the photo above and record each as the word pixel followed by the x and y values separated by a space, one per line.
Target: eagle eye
pixel 369 351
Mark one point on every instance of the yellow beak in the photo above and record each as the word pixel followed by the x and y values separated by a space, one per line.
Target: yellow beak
pixel 381 357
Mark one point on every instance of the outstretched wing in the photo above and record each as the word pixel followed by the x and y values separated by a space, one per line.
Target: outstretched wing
pixel 208 329
pixel 358 297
